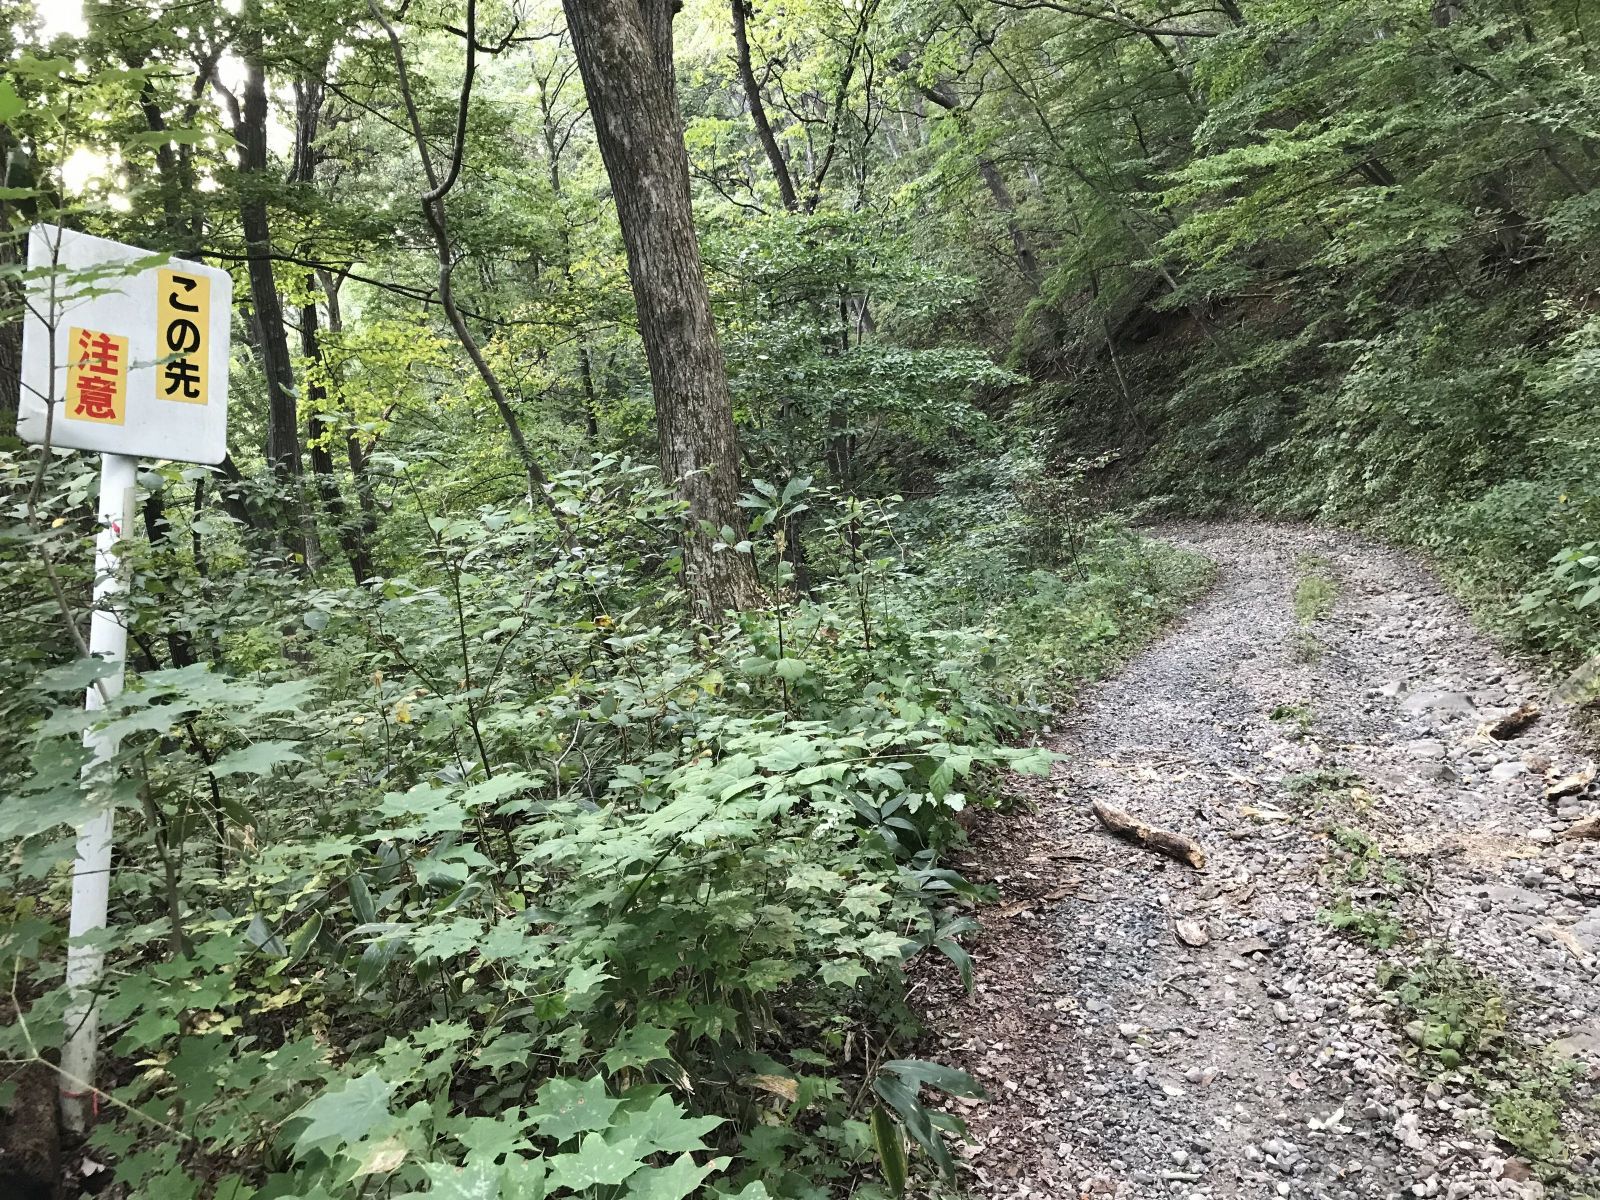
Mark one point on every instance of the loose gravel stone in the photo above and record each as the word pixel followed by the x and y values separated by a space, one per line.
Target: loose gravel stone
pixel 1267 1060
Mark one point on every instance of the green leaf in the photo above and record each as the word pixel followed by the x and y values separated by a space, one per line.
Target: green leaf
pixel 304 938
pixel 1027 760
pixel 790 669
pixel 10 102
pixel 596 1163
pixel 581 984
pixel 957 954
pixel 902 1097
pixel 842 971
pixel 644 1044
pixel 257 759
pixel 383 1157
pixel 284 697
pixel 489 1139
pixel 789 752
pixel 662 1127
pixel 80 673
pixel 891 1150
pixel 480 1181
pixel 674 1181
pixel 343 1117
pixel 920 1072
pixel 567 1108
pixel 180 137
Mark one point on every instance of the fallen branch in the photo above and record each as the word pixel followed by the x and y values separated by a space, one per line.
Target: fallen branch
pixel 1162 841
pixel 1513 723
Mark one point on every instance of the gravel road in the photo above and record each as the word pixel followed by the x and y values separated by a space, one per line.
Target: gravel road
pixel 1334 767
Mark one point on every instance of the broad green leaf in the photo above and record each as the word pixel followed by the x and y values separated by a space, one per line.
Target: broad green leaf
pixel 80 672
pixel 381 1158
pixel 480 1181
pixel 674 1181
pixel 596 1163
pixel 920 1072
pixel 567 1108
pixel 257 759
pixel 662 1126
pixel 582 982
pixel 10 102
pixel 642 1045
pixel 846 972
pixel 341 1117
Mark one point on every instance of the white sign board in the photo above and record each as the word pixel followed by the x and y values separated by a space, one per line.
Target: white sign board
pixel 138 364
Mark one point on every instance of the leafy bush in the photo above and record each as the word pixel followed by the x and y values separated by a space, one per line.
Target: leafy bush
pixel 493 876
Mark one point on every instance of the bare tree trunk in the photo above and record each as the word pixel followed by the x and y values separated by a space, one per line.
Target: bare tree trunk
pixel 591 402
pixel 942 94
pixel 11 174
pixel 624 50
pixel 1027 260
pixel 365 533
pixel 283 425
pixel 553 147
pixel 433 209
pixel 10 342
pixel 318 438
pixel 758 109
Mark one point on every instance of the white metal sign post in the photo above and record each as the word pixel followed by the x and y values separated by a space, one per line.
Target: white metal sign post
pixel 124 352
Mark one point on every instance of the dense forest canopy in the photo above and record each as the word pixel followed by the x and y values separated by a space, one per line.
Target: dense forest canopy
pixel 673 463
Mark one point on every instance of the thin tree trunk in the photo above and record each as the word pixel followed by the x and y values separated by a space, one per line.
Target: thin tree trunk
pixel 591 407
pixel 11 173
pixel 1027 260
pixel 158 529
pixel 366 531
pixel 283 425
pixel 433 209
pixel 10 341
pixel 624 51
pixel 758 109
pixel 318 438
pixel 591 402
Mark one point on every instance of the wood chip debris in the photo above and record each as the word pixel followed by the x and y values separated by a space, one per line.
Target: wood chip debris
pixel 1571 785
pixel 1018 907
pixel 1584 827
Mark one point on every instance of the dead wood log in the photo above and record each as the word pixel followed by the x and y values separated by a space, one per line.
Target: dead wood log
pixel 1162 841
pixel 1513 723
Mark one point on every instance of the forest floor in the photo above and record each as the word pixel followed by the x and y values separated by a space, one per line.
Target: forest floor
pixel 1317 724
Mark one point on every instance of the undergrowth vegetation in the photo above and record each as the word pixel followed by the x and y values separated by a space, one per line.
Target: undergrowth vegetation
pixel 501 875
pixel 1456 1018
pixel 646 528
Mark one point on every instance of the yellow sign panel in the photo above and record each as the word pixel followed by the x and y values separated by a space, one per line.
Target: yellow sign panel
pixel 183 326
pixel 97 377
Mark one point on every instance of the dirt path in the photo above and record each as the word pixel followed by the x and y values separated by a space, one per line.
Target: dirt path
pixel 1333 766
